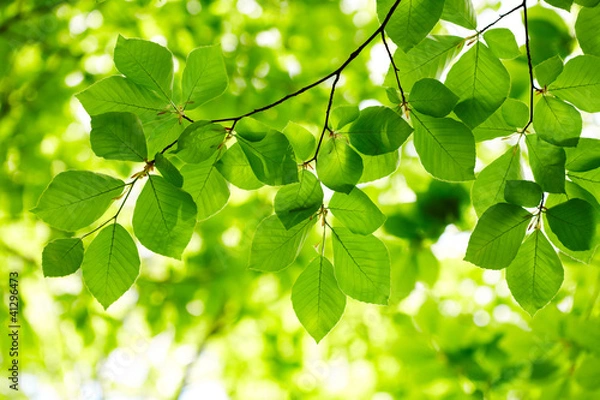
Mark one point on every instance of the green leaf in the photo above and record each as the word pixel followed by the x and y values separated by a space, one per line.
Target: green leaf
pixel 460 12
pixel 547 164
pixel 164 217
pixel 206 185
pixel 296 202
pixel 523 193
pixel 163 132
pixel 75 199
pixel 269 153
pixel 274 247
pixel 573 222
pixel 430 96
pixel 339 167
pixel 589 180
pixel 118 136
pixel 587 30
pixel 549 35
pixel 318 301
pixel 119 94
pixel 588 3
pixel 579 83
pixel 481 82
pixel 446 147
pixel 585 156
pixel 168 170
pixel 547 71
pixel 110 264
pixel 377 167
pixel 564 4
pixel 200 141
pixel 342 116
pixel 502 43
pixel 362 266
pixel 495 126
pixel 204 76
pixel 536 273
pixel 62 257
pixel 356 211
pixel 427 60
pixel 557 122
pixel 146 63
pixel 378 130
pixel 411 21
pixel 235 167
pixel 515 113
pixel 586 374
pixel 497 236
pixel 302 141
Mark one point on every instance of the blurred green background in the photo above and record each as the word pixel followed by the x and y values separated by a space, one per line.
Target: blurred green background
pixel 208 328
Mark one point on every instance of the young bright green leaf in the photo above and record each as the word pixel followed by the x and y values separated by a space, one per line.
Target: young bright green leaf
pixel 342 116
pixel 427 60
pixel 164 217
pixel 515 113
pixel 393 96
pixel 75 199
pixel 318 301
pixel 145 63
pixel 547 164
pixel 119 94
pixel 446 147
pixel 235 167
pixel 497 236
pixel 573 222
pixel 579 83
pixel 168 170
pixel 377 167
pixel 206 185
pixel 589 180
pixel 200 141
pixel 62 257
pixel 557 122
pixel 303 142
pixel 204 76
pixel 274 247
pixel 118 136
pixel 587 30
pixel 339 167
pixel 523 193
pixel 564 4
pixel 585 156
pixel 110 264
pixel 460 12
pixel 430 96
pixel 162 133
pixel 362 266
pixel 378 130
pixel 547 71
pixel 502 43
pixel 296 202
pixel 495 126
pixel 536 273
pixel 412 21
pixel 356 211
pixel 481 82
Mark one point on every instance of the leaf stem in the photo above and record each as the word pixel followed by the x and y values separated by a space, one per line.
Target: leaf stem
pixel 394 66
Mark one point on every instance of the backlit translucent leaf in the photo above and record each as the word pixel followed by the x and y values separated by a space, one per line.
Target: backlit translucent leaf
pixel 564 4
pixel 235 167
pixel 318 301
pixel 557 122
pixel 579 83
pixel 460 12
pixel 162 133
pixel 75 199
pixel 146 63
pixel 274 247
pixel 118 136
pixel 523 193
pixel 515 113
pixel 481 82
pixel 573 222
pixel 547 71
pixel 339 167
pixel 589 180
pixel 412 20
pixel 585 156
pixel 342 116
pixel 206 185
pixel 431 97
pixel 62 257
pixel 493 127
pixel 587 30
pixel 168 170
pixel 303 142
pixel 497 236
pixel 547 163
pixel 377 167
pixel 502 42
pixel 200 141
pixel 164 217
pixel 356 211
pixel 298 201
pixel 362 266
pixel 110 264
pixel 378 130
pixel 446 147
pixel 204 76
pixel 536 273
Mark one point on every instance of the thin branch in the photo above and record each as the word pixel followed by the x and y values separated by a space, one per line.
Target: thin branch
pixel 394 67
pixel 327 114
pixel 500 18
pixel 529 65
